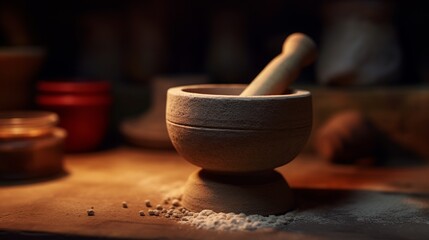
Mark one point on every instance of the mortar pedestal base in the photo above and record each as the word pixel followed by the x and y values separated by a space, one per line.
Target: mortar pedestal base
pixel 263 193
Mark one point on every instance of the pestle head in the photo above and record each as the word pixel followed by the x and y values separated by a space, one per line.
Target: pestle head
pixel 299 43
pixel 298 51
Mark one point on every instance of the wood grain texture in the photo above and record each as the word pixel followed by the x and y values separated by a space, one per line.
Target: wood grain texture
pixel 103 180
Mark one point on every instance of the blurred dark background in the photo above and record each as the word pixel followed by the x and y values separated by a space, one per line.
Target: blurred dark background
pixel 132 41
pixel 363 45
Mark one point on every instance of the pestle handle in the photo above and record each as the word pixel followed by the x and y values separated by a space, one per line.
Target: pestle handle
pixel 298 51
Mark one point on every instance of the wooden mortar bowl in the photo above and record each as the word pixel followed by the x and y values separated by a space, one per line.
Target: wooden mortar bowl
pixel 214 128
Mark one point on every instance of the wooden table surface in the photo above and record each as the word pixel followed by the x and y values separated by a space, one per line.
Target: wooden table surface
pixel 333 202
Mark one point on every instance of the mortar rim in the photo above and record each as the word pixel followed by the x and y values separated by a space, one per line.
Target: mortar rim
pixel 182 91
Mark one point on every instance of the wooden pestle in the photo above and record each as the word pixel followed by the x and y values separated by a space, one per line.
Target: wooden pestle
pixel 298 51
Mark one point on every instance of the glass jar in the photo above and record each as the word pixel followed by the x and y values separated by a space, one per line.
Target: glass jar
pixel 30 145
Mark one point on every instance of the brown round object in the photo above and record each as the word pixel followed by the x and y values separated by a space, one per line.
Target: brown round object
pixel 346 137
pixel 30 145
pixel 18 65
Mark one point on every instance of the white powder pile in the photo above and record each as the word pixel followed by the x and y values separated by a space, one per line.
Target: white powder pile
pixel 207 219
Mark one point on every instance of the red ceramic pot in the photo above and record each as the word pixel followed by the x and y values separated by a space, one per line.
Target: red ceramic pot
pixel 83 109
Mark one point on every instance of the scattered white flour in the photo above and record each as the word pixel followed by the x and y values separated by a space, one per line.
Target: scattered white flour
pixel 207 219
pixel 362 207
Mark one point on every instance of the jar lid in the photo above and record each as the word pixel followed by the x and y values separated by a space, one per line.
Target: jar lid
pixel 26 123
pixel 74 87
